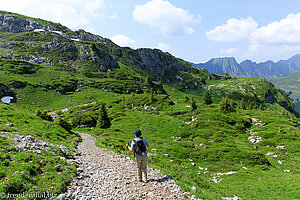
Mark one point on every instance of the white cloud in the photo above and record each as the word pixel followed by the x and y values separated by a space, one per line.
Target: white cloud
pixel 163 46
pixel 276 38
pixel 123 41
pixel 233 30
pixel 162 15
pixel 71 13
pixel 229 51
pixel 272 40
pixel 285 31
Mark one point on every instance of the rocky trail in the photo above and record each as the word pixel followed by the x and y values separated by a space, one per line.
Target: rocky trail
pixel 106 175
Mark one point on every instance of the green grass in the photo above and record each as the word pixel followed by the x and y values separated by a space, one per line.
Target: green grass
pixel 22 171
pixel 226 147
pixel 167 124
pixel 214 140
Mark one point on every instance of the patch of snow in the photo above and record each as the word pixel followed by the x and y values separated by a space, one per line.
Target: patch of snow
pixel 38 30
pixel 58 32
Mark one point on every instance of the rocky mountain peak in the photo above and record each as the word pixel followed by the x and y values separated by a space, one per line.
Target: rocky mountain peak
pixel 15 23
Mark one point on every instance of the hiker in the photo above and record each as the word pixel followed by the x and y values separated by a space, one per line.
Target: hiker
pixel 138 146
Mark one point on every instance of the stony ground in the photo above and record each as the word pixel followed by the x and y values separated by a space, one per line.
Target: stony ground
pixel 106 175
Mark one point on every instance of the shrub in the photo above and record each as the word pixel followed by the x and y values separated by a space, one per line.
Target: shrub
pixel 44 115
pixel 194 105
pixel 207 98
pixel 84 120
pixel 257 158
pixel 15 185
pixel 226 106
pixel 64 124
pixel 242 104
pixel 186 131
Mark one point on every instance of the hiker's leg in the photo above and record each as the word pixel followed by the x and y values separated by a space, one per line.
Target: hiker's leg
pixel 144 168
pixel 139 168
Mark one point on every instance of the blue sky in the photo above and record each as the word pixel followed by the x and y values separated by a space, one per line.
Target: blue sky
pixel 195 30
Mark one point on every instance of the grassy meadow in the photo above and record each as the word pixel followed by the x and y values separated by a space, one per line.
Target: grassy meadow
pixel 190 141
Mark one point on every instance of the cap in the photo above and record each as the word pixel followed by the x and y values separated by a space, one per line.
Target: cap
pixel 137 132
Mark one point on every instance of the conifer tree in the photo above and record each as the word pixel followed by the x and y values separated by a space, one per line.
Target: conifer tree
pixel 149 82
pixel 152 96
pixel 103 119
pixel 187 99
pixel 194 105
pixel 226 105
pixel 242 104
pixel 207 98
pixel 161 87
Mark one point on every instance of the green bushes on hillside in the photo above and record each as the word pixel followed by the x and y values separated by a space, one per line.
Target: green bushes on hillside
pixel 18 67
pixel 44 115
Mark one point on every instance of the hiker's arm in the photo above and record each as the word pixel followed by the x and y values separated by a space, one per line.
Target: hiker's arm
pixel 130 148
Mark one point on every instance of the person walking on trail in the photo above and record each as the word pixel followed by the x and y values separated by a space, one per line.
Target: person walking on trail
pixel 138 146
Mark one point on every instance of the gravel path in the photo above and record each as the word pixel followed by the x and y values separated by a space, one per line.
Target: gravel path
pixel 105 175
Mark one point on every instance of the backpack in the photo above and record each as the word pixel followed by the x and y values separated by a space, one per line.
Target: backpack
pixel 139 146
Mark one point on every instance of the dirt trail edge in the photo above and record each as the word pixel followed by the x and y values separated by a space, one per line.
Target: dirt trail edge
pixel 106 175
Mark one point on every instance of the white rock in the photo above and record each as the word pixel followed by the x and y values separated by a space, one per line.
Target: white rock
pixel 280 147
pixel 194 189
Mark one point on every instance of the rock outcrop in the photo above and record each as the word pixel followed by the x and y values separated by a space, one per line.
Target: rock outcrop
pixel 156 63
pixel 5 91
pixel 13 23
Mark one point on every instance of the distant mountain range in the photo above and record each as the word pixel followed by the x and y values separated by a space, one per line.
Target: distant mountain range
pixel 248 68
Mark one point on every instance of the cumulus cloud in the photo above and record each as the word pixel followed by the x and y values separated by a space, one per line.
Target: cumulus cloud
pixel 285 31
pixel 274 39
pixel 164 16
pixel 163 46
pixel 233 30
pixel 123 41
pixel 72 13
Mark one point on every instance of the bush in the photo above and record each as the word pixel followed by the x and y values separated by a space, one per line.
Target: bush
pixel 207 98
pixel 64 124
pixel 15 185
pixel 44 115
pixel 20 67
pixel 84 120
pixel 186 131
pixel 226 106
pixel 257 158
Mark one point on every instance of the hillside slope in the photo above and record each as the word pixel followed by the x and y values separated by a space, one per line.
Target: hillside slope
pixel 290 84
